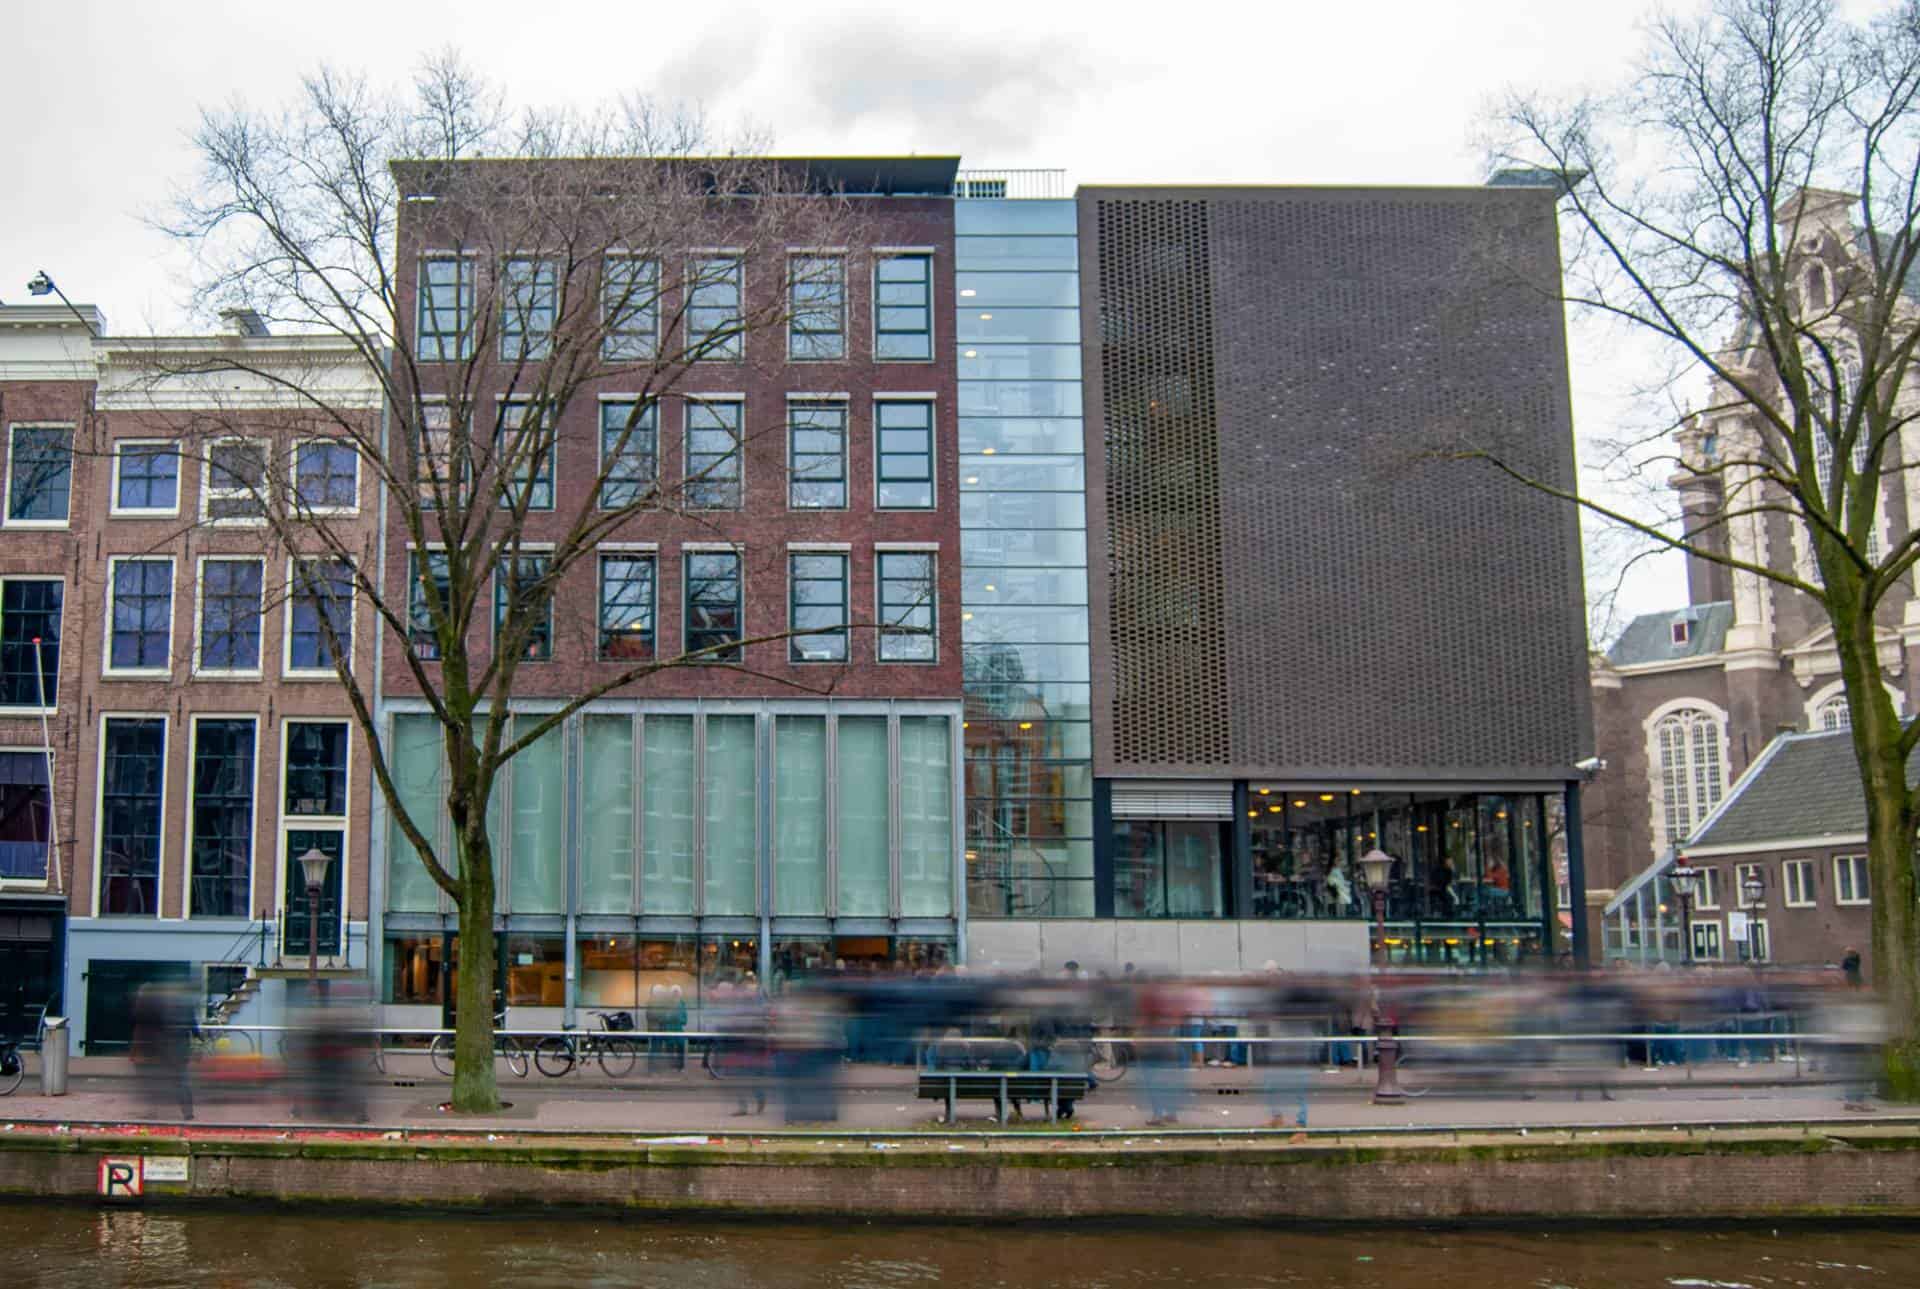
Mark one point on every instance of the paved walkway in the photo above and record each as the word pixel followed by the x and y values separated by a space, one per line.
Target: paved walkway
pixel 881 1099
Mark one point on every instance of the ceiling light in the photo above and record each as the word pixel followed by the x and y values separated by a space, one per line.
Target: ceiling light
pixel 1299 803
pixel 973 478
pixel 1273 810
pixel 1326 796
pixel 986 317
pixel 966 617
pixel 1253 814
pixel 988 587
pixel 968 291
pixel 1266 792
pixel 971 353
pixel 1026 725
pixel 986 452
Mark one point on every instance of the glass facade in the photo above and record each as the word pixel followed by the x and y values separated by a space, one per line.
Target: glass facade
pixel 697 826
pixel 1029 772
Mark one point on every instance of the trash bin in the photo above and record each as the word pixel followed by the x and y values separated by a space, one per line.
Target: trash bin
pixel 53 1056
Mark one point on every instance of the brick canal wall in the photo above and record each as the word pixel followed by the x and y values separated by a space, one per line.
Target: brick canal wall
pixel 1759 1174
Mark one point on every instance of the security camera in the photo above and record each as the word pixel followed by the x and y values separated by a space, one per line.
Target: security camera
pixel 1591 765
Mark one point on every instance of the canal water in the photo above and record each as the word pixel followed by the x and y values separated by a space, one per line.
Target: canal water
pixel 55 1247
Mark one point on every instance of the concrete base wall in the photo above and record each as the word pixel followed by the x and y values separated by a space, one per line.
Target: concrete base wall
pixel 1634 1177
pixel 1186 947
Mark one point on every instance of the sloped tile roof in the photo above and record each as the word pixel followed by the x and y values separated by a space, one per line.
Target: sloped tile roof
pixel 1809 786
pixel 1649 637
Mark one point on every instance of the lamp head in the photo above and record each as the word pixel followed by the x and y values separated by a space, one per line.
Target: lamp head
pixel 316 862
pixel 1376 864
pixel 40 284
pixel 1754 888
pixel 1681 877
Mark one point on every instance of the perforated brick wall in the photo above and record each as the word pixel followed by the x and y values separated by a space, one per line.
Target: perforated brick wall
pixel 1302 581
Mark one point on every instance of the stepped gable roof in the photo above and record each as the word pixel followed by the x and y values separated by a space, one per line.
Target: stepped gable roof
pixel 1649 637
pixel 1802 786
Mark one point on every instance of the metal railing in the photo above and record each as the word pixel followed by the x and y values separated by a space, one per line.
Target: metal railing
pixel 1017 185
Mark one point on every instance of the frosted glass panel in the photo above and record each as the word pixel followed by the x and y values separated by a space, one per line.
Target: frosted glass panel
pixel 800 815
pixel 666 879
pixel 863 816
pixel 926 817
pixel 606 815
pixel 539 824
pixel 730 858
pixel 413 753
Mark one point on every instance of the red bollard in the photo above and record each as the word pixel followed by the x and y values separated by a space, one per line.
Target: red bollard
pixel 1386 1087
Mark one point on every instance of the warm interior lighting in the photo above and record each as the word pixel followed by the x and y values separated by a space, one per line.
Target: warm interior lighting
pixel 1499 814
pixel 971 353
pixel 973 478
pixel 1326 796
pixel 1420 828
pixel 986 452
pixel 966 617
pixel 1355 791
pixel 1299 803
pixel 1253 814
pixel 1266 792
pixel 988 586
pixel 1026 725
pixel 986 317
pixel 968 291
pixel 1273 810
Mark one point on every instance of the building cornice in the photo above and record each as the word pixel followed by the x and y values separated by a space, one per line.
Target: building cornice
pixel 1783 843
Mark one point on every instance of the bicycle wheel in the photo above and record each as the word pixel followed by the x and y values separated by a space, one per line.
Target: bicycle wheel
pixel 441 1054
pixel 1109 1063
pixel 616 1056
pixel 514 1055
pixel 13 1068
pixel 554 1056
pixel 713 1060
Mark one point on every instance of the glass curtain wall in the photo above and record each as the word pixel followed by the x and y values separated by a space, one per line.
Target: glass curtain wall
pixel 1029 776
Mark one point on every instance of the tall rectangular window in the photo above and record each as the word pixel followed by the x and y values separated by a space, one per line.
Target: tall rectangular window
pixel 668 799
pixel 817 607
pixel 444 468
pixel 730 800
pixel 141 615
pixel 713 605
pixel 29 611
pixel 606 816
pixel 800 815
pixel 524 445
pixel 520 583
pixel 1850 880
pixel 26 816
pixel 414 757
pixel 322 603
pixel 146 478
pixel 221 862
pixel 230 614
pixel 326 476
pixel 420 619
pixel 630 309
pixel 529 305
pixel 816 307
pixel 316 771
pixel 236 483
pixel 903 455
pixel 861 816
pixel 629 451
pixel 907 618
pixel 817 455
pixel 536 839
pixel 132 765
pixel 713 454
pixel 926 817
pixel 39 474
pixel 444 326
pixel 714 325
pixel 903 308
pixel 1797 875
pixel 626 607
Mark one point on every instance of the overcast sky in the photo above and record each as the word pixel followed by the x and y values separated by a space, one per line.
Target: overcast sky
pixel 98 99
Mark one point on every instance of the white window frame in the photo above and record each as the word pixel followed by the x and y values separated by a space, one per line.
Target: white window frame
pixel 292 823
pixel 1855 900
pixel 287 670
pixel 1710 931
pixel 6 488
pixel 107 668
pixel 51 708
pixel 1709 894
pixel 100 801
pixel 207 490
pixel 336 442
pixel 1657 795
pixel 200 613
pixel 116 511
pixel 1757 929
pixel 1805 868
pixel 186 853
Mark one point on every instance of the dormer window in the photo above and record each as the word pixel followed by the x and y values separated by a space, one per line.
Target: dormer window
pixel 1682 631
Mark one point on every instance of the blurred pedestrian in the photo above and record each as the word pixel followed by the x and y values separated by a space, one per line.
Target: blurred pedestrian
pixel 164 1026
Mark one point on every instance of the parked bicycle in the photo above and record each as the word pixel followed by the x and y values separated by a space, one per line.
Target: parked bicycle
pixel 558 1055
pixel 13 1065
pixel 505 1047
pixel 1108 1060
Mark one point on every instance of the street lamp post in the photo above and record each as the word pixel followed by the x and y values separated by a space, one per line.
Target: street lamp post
pixel 1376 865
pixel 1754 888
pixel 316 862
pixel 1681 877
pixel 41 284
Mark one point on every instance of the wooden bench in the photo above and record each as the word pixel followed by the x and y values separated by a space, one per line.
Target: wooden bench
pixel 1055 1089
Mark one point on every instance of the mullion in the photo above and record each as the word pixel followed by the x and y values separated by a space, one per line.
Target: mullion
pixel 230 614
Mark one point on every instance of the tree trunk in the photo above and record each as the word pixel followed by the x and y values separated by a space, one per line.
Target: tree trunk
pixel 1896 973
pixel 474 1088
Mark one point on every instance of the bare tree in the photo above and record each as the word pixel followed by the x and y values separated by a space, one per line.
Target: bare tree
pixel 498 275
pixel 1749 200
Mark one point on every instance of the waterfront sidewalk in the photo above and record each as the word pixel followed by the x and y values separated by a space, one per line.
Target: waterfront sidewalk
pixel 882 1099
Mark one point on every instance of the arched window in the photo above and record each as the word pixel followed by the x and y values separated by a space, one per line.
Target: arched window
pixel 1691 775
pixel 1834 714
pixel 1816 287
